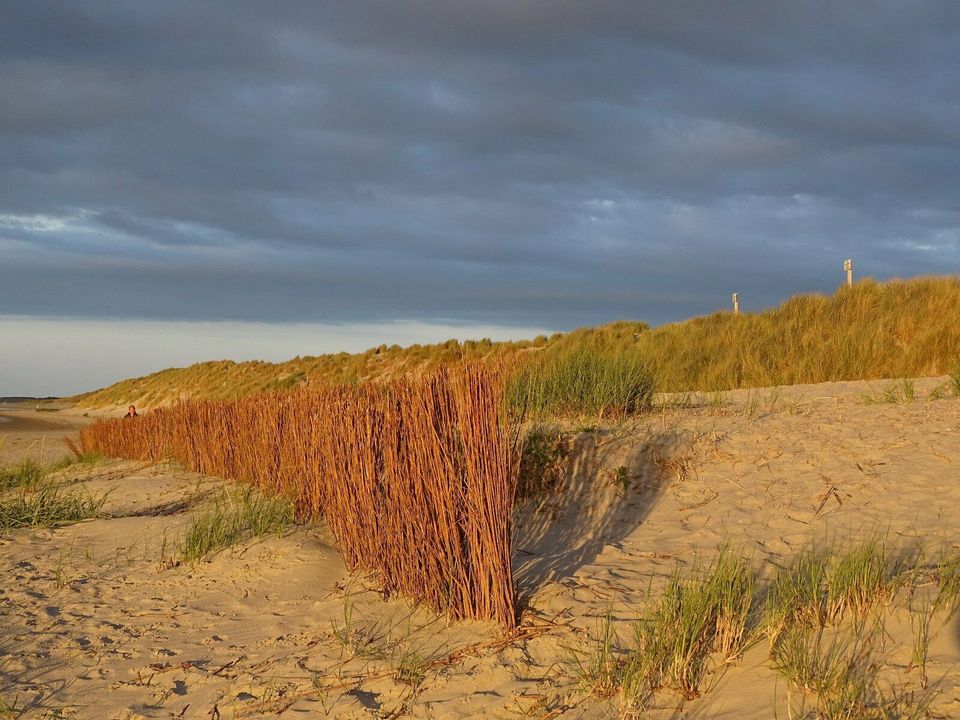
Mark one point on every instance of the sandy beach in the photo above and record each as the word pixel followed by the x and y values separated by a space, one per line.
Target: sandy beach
pixel 97 622
pixel 26 432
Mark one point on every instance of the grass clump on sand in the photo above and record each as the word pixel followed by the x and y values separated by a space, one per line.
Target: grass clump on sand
pixel 821 586
pixel 840 671
pixel 896 393
pixel 701 616
pixel 235 516
pixel 581 380
pixel 28 473
pixel 31 496
pixel 824 616
pixel 47 504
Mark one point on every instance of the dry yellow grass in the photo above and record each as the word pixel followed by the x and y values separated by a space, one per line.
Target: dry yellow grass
pixel 900 328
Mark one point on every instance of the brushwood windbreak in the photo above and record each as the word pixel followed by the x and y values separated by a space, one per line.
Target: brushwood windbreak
pixel 415 477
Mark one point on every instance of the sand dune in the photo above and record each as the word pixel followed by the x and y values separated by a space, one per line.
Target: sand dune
pixel 95 622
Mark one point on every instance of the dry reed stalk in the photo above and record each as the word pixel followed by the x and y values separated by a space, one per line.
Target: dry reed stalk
pixel 416 478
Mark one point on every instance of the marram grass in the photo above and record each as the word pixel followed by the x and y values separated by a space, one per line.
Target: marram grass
pixel 232 517
pixel 871 331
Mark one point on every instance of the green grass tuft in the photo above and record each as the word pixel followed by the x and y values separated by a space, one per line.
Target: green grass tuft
pixel 840 670
pixel 47 505
pixel 859 579
pixel 588 380
pixel 699 614
pixel 26 474
pixel 895 392
pixel 235 516
pixel 948 578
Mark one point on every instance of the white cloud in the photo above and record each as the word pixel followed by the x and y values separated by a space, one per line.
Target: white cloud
pixel 52 356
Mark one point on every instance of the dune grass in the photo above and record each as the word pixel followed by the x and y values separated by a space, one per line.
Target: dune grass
pixel 31 495
pixel 895 392
pixel 587 380
pixel 901 328
pixel 47 504
pixel 838 673
pixel 8 711
pixel 703 616
pixel 28 473
pixel 823 585
pixel 823 615
pixel 701 613
pixel 873 330
pixel 235 515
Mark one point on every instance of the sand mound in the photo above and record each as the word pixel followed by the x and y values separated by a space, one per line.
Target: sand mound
pixel 96 622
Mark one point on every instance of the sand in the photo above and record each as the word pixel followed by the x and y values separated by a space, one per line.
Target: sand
pixel 26 432
pixel 96 623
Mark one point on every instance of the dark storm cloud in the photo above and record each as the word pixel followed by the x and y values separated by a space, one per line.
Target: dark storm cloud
pixel 549 163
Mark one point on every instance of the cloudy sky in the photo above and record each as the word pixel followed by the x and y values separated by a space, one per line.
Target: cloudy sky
pixel 187 180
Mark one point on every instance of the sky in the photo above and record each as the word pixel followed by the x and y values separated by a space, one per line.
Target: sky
pixel 183 181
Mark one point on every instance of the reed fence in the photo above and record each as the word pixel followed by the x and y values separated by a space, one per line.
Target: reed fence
pixel 416 477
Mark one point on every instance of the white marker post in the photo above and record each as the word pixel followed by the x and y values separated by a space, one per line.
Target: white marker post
pixel 736 303
pixel 848 266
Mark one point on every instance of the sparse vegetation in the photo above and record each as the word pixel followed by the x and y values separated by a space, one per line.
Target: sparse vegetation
pixel 921 620
pixel 8 711
pixel 823 616
pixel 699 614
pixel 702 616
pixel 840 670
pixel 47 504
pixel 859 578
pixel 600 668
pixel 410 668
pixel 26 474
pixel 234 516
pixel 542 463
pixel 895 392
pixel 822 585
pixel 948 580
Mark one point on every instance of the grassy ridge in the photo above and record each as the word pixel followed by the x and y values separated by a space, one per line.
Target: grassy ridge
pixel 225 379
pixel 900 328
pixel 873 330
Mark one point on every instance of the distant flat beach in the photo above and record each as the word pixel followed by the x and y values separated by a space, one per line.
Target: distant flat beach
pixel 24 432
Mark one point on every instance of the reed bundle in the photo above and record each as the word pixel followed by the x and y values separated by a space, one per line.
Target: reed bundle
pixel 415 477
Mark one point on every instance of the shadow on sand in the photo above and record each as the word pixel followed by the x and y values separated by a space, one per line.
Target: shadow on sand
pixel 613 479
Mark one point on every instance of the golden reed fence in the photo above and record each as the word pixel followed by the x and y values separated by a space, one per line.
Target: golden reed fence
pixel 416 477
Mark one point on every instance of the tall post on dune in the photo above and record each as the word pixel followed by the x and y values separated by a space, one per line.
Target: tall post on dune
pixel 848 267
pixel 736 303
